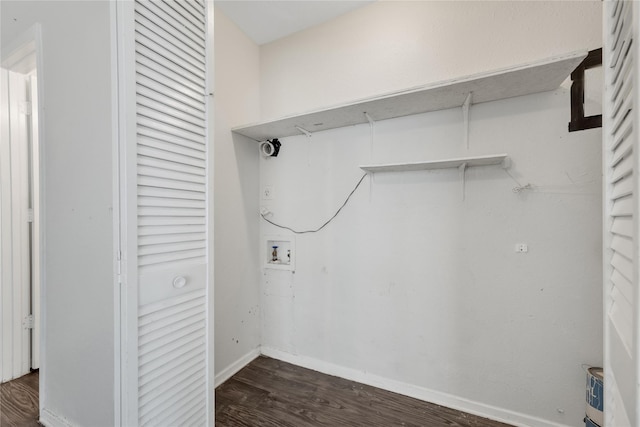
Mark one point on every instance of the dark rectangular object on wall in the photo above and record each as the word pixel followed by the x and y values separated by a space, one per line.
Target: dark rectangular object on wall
pixel 578 120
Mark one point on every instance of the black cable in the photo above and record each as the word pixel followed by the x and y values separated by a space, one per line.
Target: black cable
pixel 327 222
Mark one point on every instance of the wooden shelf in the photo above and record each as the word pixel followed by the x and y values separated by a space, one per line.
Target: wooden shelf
pixel 467 162
pixel 514 81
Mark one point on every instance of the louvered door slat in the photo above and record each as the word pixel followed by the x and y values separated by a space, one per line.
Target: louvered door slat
pixel 621 214
pixel 622 324
pixel 172 244
pixel 144 232
pixel 182 356
pixel 172 258
pixel 161 86
pixel 175 21
pixel 168 165
pixel 623 265
pixel 192 8
pixel 618 28
pixel 623 206
pixel 167 202
pixel 170 194
pixel 622 188
pixel 156 354
pixel 154 153
pixel 178 113
pixel 180 9
pixel 163 248
pixel 622 150
pixel 623 246
pixel 170 101
pixel 622 226
pixel 182 408
pixel 175 57
pixel 149 140
pixel 170 127
pixel 195 51
pixel 622 284
pixel 623 76
pixel 622 111
pixel 151 171
pixel 163 221
pixel 622 133
pixel 159 401
pixel 163 387
pixel 622 169
pixel 196 419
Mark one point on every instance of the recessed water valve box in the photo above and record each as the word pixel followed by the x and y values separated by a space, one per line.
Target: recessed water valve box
pixel 279 252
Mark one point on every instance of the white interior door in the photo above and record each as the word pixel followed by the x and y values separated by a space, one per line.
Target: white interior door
pixel 621 169
pixel 163 62
pixel 17 190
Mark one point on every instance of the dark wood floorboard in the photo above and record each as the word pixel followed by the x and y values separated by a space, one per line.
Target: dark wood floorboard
pixel 19 402
pixel 272 393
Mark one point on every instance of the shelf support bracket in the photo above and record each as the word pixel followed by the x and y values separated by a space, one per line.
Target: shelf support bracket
pixel 369 119
pixel 465 115
pixel 306 132
pixel 372 126
pixel 462 171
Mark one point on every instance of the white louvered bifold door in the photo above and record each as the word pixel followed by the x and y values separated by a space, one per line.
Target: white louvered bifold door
pixel 171 204
pixel 621 173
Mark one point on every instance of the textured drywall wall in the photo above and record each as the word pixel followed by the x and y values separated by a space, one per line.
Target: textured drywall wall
pixel 411 282
pixel 236 175
pixel 78 297
pixel 395 45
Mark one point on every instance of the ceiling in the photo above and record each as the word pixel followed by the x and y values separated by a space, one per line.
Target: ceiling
pixel 267 20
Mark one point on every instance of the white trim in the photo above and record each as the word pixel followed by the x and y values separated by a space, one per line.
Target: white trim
pixel 15 285
pixel 236 366
pixel 29 43
pixel 128 313
pixel 444 399
pixel 49 419
pixel 210 108
pixel 117 247
pixel 422 393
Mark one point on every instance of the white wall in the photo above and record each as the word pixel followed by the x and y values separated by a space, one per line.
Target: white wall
pixel 410 283
pixel 394 45
pixel 236 174
pixel 77 369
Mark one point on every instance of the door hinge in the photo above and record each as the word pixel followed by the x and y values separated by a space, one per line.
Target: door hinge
pixel 27 323
pixel 25 108
pixel 29 215
pixel 119 266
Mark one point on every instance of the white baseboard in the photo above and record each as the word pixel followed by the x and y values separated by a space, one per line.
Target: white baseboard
pixel 49 419
pixel 439 398
pixel 233 368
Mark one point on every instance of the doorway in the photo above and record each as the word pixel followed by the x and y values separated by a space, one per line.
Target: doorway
pixel 20 231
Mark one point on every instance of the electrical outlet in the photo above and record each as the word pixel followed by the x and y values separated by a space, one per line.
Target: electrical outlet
pixel 522 247
pixel 267 192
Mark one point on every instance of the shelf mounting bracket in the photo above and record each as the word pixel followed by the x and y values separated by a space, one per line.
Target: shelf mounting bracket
pixel 306 132
pixel 465 115
pixel 462 171
pixel 369 119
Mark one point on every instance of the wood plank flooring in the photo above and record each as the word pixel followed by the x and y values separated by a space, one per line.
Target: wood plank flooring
pixel 19 402
pixel 272 393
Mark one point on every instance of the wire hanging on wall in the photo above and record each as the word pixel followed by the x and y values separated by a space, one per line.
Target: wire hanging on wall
pixel 263 215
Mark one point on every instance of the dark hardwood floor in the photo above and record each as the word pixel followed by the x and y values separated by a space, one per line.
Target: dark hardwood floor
pixel 19 402
pixel 272 393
